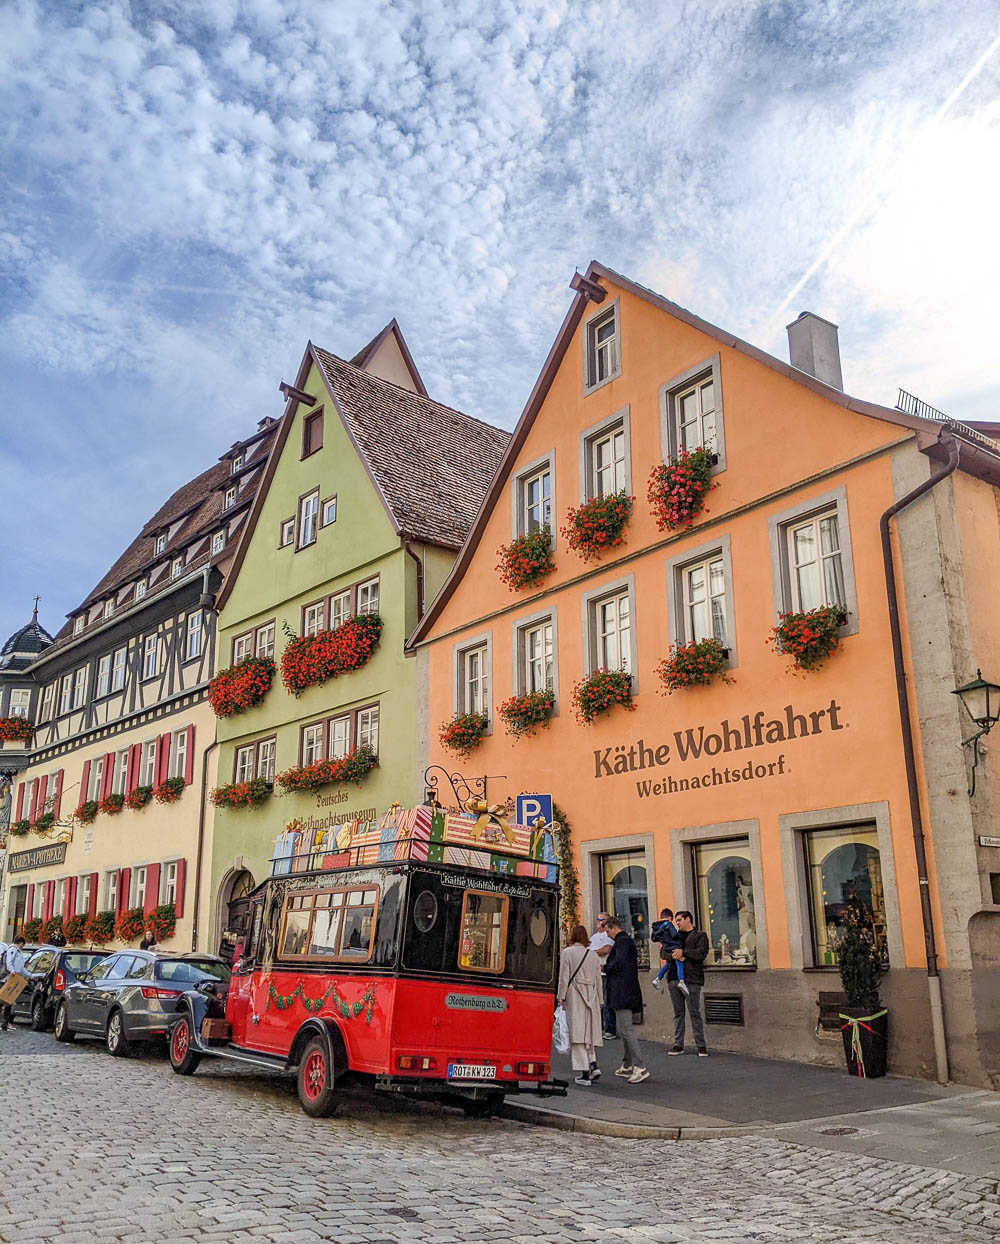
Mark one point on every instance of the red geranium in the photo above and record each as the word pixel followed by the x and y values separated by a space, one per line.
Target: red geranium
pixel 677 488
pixel 112 805
pixel 169 790
pixel 598 524
pixel 694 664
pixel 311 659
pixel 526 560
pixel 349 768
pixel 240 687
pixel 810 637
pixel 602 690
pixel 241 794
pixel 464 732
pixel 19 728
pixel 524 714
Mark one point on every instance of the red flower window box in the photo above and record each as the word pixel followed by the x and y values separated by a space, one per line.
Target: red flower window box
pixel 241 687
pixel 528 713
pixel 677 489
pixel 350 768
pixel 809 638
pixel 694 664
pixel 241 794
pixel 15 729
pixel 527 560
pixel 595 695
pixel 311 659
pixel 598 524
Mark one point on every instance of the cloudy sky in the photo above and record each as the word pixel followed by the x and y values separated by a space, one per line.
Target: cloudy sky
pixel 191 191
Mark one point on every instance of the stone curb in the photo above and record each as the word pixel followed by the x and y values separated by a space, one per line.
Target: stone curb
pixel 562 1122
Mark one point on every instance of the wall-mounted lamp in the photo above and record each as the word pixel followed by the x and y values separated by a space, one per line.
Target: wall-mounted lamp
pixel 982 703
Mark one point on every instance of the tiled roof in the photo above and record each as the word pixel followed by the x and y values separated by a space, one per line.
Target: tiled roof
pixel 432 464
pixel 23 646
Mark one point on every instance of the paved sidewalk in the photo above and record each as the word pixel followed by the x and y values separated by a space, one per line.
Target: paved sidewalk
pixel 951 1127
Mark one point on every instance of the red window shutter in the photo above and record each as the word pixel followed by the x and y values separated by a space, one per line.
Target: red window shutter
pixel 57 794
pixel 124 878
pixel 108 775
pixel 20 801
pixel 152 888
pixel 134 759
pixel 162 758
pixel 48 900
pixel 84 783
pixel 181 878
pixel 30 905
pixel 69 898
pixel 39 803
pixel 94 880
pixel 189 757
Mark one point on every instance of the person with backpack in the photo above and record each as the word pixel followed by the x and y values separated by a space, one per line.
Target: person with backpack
pixel 579 994
pixel 12 960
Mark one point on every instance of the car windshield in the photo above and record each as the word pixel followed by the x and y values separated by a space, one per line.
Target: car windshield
pixel 82 961
pixel 40 962
pixel 190 972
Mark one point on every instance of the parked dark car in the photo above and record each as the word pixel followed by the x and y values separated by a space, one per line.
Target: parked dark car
pixel 50 970
pixel 131 996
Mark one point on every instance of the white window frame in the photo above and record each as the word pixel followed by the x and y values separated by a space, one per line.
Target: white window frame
pixel 80 686
pixel 120 780
pixel 147 763
pixel 229 498
pixel 151 656
pixel 60 901
pixel 520 508
pixel 367 727
pixel 313 742
pixel 711 566
pixel 813 523
pixel 168 882
pixel 340 609
pixel 670 394
pixel 176 566
pixel 369 590
pixel 178 754
pixel 266 752
pixel 779 526
pixel 286 533
pixel 313 619
pixel 242 647
pixel 111 889
pixel 78 624
pixel 244 768
pixel 194 639
pixel 66 694
pixel 677 621
pixel 599 433
pixel 339 737
pixel 237 464
pixel 109 608
pixel 589 604
pixel 49 700
pixel 328 514
pixel 161 544
pixel 23 706
pixel 103 687
pixel 609 349
pixel 139 878
pixel 613 625
pixel 140 589
pixel 264 640
pixel 218 542
pixel 472 676
pixel 84 882
pixel 96 778
pixel 308 524
pixel 119 668
pixel 520 630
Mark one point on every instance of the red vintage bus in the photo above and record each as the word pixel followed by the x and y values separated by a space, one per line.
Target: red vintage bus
pixel 429 970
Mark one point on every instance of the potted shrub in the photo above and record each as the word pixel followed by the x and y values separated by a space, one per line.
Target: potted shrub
pixel 865 1022
pixel 677 489
pixel 137 798
pixel 101 929
pixel 694 665
pixel 809 638
pixel 241 687
pixel 598 524
pixel 527 560
pixel 524 714
pixel 311 659
pixel 601 691
pixel 464 733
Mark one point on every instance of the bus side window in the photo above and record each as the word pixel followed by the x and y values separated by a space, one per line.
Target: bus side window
pixel 482 935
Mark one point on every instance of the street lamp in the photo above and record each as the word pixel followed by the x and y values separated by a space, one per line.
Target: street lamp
pixel 982 702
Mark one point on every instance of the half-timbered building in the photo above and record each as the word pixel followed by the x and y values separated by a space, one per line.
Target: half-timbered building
pixel 108 816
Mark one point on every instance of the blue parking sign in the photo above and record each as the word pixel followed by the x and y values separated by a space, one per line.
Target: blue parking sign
pixel 531 807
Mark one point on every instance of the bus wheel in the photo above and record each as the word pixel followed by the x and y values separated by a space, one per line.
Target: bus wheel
pixel 483 1107
pixel 183 1057
pixel 316 1092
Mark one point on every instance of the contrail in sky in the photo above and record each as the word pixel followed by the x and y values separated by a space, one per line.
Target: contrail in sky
pixel 831 244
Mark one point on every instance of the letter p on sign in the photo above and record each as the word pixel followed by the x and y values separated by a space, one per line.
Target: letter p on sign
pixel 531 807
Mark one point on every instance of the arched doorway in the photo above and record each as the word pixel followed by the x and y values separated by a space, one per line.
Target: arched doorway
pixel 235 911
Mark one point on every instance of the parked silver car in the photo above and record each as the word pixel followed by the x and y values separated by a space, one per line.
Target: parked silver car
pixel 130 996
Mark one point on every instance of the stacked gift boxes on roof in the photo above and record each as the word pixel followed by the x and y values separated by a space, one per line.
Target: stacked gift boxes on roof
pixel 483 840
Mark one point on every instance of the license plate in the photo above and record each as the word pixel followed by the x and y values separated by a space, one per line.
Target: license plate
pixel 471 1071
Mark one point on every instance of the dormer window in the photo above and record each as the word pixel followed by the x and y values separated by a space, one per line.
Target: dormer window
pixel 237 464
pixel 140 589
pixel 230 497
pixel 218 542
pixel 161 544
pixel 176 567
pixel 78 625
pixel 109 608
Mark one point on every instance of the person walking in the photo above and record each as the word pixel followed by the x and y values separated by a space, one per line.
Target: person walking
pixel 692 953
pixel 579 993
pixel 600 944
pixel 625 997
pixel 12 960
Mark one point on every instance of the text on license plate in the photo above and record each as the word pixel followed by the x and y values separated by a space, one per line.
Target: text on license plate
pixel 471 1071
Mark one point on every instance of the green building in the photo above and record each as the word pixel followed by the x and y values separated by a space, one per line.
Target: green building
pixel 368 494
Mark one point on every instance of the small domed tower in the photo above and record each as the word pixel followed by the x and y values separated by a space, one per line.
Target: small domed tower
pixel 18 695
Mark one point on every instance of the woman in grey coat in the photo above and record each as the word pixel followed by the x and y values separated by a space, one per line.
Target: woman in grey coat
pixel 579 992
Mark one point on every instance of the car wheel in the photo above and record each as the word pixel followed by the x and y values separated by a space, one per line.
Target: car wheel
pixel 115 1040
pixel 38 1022
pixel 62 1028
pixel 315 1080
pixel 183 1057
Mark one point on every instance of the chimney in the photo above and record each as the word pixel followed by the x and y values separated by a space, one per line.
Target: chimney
pixel 813 347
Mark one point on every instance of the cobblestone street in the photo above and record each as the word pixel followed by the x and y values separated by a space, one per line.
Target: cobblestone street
pixel 100 1149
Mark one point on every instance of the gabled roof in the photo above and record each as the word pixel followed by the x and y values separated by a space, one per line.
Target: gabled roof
pixel 365 356
pixel 588 287
pixel 430 465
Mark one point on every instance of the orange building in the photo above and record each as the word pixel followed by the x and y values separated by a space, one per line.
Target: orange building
pixel 772 802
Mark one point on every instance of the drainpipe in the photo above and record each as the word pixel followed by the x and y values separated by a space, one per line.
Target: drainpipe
pixel 420 579
pixel 201 841
pixel 903 700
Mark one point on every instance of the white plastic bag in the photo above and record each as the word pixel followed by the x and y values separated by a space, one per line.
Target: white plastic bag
pixel 560 1030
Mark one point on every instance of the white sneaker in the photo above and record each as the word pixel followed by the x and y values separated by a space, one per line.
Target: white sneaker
pixel 638 1075
pixel 625 1071
pixel 682 986
pixel 656 983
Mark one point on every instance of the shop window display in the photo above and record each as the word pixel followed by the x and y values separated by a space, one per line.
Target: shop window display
pixel 725 903
pixel 844 870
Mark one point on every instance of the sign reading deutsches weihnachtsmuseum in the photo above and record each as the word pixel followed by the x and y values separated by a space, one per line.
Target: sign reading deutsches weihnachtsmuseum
pixel 37 857
pixel 701 743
